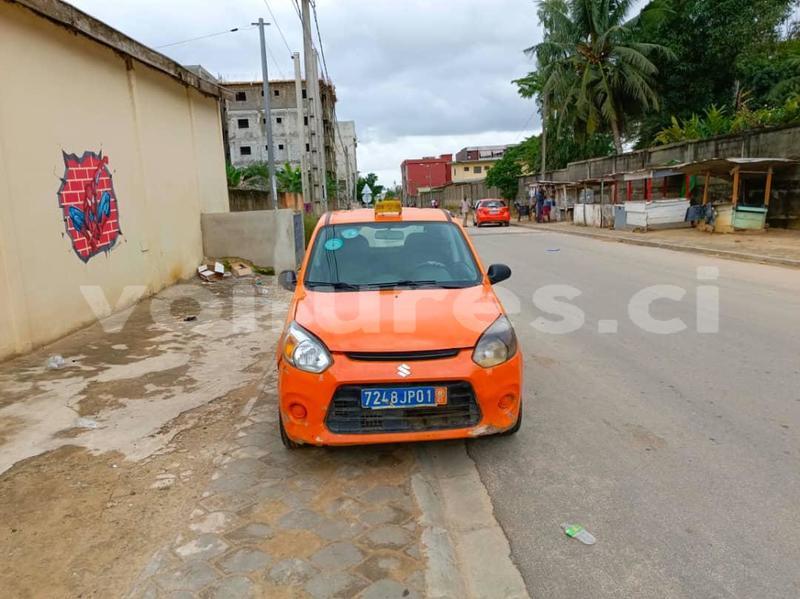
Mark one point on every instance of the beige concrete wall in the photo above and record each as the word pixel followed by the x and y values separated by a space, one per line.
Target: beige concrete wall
pixel 61 92
pixel 265 237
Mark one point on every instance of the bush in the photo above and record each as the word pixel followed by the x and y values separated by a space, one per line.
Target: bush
pixel 717 122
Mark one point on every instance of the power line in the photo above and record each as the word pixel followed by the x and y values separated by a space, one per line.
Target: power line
pixel 274 61
pixel 278 27
pixel 319 37
pixel 528 120
pixel 297 10
pixel 327 77
pixel 202 37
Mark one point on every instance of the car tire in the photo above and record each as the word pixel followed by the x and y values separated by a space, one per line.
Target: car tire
pixel 516 427
pixel 287 442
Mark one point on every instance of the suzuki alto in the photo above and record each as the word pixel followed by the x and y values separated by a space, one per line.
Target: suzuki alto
pixel 394 333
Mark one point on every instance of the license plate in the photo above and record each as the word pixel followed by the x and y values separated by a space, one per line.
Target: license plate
pixel 495 211
pixel 403 397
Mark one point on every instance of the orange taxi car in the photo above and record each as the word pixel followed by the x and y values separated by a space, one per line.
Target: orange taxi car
pixel 395 334
pixel 491 211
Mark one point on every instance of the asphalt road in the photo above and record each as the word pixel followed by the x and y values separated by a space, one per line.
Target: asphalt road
pixel 679 452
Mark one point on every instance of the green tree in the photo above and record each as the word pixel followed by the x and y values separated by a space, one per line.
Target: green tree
pixel 562 146
pixel 505 173
pixel 714 42
pixel 593 71
pixel 289 179
pixel 371 180
pixel 771 75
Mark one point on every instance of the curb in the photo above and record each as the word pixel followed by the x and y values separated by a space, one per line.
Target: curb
pixel 468 554
pixel 740 256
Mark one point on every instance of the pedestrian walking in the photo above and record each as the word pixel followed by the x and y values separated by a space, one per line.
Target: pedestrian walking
pixel 464 210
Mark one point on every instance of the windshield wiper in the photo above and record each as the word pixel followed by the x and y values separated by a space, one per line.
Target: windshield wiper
pixel 337 285
pixel 410 283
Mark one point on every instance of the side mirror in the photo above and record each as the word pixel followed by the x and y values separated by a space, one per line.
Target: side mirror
pixel 498 272
pixel 288 280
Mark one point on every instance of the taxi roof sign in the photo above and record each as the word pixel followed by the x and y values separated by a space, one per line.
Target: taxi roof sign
pixel 388 208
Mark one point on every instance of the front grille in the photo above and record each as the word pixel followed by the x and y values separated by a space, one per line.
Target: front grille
pixel 403 356
pixel 346 416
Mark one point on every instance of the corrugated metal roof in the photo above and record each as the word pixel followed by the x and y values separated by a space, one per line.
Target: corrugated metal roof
pixel 723 166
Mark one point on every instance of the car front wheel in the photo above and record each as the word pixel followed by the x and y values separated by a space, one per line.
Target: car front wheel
pixel 516 427
pixel 287 442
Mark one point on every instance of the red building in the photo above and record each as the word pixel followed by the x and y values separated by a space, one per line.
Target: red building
pixel 425 172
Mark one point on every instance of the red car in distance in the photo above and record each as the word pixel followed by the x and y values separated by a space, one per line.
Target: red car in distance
pixel 491 211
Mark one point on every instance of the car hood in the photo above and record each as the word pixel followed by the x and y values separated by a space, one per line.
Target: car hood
pixel 398 320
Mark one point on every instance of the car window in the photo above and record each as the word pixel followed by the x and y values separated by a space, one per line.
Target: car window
pixel 493 204
pixel 392 254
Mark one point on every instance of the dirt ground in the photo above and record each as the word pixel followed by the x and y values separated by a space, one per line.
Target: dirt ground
pixel 100 459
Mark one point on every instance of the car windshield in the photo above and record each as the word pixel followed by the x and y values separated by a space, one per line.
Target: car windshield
pixel 493 204
pixel 391 255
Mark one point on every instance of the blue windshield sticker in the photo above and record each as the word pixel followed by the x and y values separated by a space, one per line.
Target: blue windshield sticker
pixel 350 233
pixel 334 244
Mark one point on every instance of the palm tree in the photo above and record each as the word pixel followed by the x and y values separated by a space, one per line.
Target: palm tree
pixel 594 72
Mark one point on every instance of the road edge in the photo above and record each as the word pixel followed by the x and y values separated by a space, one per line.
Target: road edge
pixel 468 554
pixel 727 254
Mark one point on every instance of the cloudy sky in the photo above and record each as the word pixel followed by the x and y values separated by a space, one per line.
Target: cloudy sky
pixel 419 77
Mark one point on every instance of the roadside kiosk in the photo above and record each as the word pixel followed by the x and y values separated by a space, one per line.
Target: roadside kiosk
pixel 750 190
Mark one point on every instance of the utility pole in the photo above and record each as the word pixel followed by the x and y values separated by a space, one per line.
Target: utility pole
pixel 316 166
pixel 543 146
pixel 302 137
pixel 320 128
pixel 267 114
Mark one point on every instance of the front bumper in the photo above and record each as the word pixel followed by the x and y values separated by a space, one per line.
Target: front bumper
pixel 316 391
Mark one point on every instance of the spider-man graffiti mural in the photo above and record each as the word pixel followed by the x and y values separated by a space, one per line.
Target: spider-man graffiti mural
pixel 89 204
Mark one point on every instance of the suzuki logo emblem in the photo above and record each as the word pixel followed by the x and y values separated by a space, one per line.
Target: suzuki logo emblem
pixel 403 370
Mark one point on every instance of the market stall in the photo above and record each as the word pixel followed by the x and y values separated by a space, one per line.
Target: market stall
pixel 655 199
pixel 746 205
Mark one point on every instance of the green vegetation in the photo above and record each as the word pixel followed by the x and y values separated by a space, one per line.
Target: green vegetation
pixel 309 222
pixel 234 175
pixel 332 187
pixel 677 70
pixel 289 179
pixel 725 52
pixel 393 193
pixel 716 121
pixel 519 160
pixel 593 71
pixel 371 181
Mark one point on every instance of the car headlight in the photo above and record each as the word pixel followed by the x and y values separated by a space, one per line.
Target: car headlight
pixel 498 344
pixel 304 351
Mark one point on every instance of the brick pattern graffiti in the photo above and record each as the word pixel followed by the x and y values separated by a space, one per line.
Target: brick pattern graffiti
pixel 89 204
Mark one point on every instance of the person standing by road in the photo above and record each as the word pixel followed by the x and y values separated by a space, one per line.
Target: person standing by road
pixel 539 203
pixel 464 210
